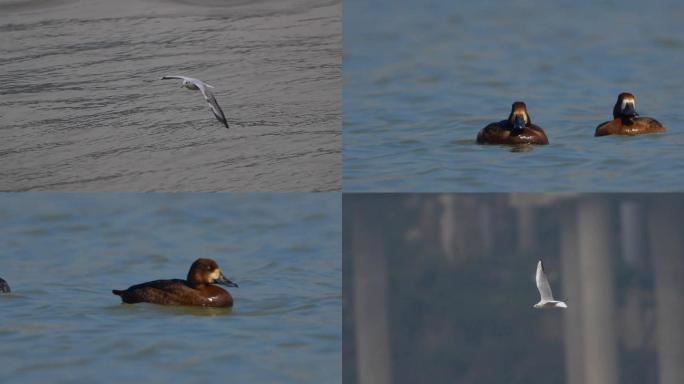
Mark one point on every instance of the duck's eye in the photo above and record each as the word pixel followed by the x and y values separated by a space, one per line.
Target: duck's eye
pixel 209 268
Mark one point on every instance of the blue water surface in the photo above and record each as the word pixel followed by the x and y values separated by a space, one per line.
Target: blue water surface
pixel 422 78
pixel 62 254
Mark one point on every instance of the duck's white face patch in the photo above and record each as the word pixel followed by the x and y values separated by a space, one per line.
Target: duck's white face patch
pixel 626 101
pixel 214 275
pixel 520 112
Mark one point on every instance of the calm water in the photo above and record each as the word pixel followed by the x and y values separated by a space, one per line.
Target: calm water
pixel 420 84
pixel 82 106
pixel 62 255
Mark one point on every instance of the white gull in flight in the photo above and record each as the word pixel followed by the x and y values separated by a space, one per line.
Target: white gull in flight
pixel 544 288
pixel 195 84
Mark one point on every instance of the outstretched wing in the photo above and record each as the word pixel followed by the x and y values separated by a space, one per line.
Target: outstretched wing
pixel 543 284
pixel 208 96
pixel 179 78
pixel 213 104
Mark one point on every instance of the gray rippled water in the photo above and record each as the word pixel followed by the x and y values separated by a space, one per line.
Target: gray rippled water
pixel 63 253
pixel 420 84
pixel 82 106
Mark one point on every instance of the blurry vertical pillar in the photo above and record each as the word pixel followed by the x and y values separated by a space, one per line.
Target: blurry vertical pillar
pixel 596 244
pixel 369 289
pixel 447 225
pixel 633 231
pixel 571 279
pixel 527 231
pixel 667 248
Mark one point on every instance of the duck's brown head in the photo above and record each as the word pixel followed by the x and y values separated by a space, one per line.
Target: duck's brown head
pixel 519 117
pixel 206 271
pixel 625 107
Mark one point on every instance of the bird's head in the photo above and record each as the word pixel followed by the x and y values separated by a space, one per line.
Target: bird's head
pixel 519 118
pixel 624 107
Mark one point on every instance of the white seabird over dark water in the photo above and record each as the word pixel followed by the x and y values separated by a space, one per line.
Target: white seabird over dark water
pixel 544 288
pixel 195 84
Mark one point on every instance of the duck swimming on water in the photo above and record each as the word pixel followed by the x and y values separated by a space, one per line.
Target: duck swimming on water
pixel 517 129
pixel 626 120
pixel 197 290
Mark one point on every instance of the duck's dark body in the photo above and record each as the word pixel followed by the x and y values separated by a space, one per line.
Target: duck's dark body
pixel 176 292
pixel 629 127
pixel 517 129
pixel 4 287
pixel 503 132
pixel 197 290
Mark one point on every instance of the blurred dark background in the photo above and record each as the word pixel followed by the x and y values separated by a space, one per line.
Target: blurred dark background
pixel 440 288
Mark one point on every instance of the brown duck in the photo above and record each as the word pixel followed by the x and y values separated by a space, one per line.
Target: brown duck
pixel 517 129
pixel 197 290
pixel 626 120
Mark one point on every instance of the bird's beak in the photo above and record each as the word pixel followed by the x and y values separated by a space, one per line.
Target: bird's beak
pixel 518 122
pixel 223 280
pixel 629 110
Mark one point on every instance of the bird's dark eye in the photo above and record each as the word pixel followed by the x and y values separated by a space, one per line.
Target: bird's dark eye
pixel 208 267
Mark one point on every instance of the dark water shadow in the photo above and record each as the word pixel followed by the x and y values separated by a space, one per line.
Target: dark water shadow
pixel 522 148
pixel 146 309
pixel 512 148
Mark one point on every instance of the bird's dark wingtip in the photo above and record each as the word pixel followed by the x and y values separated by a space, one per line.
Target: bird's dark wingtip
pixel 117 292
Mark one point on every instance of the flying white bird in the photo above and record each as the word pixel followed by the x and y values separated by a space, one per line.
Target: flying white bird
pixel 194 84
pixel 544 288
